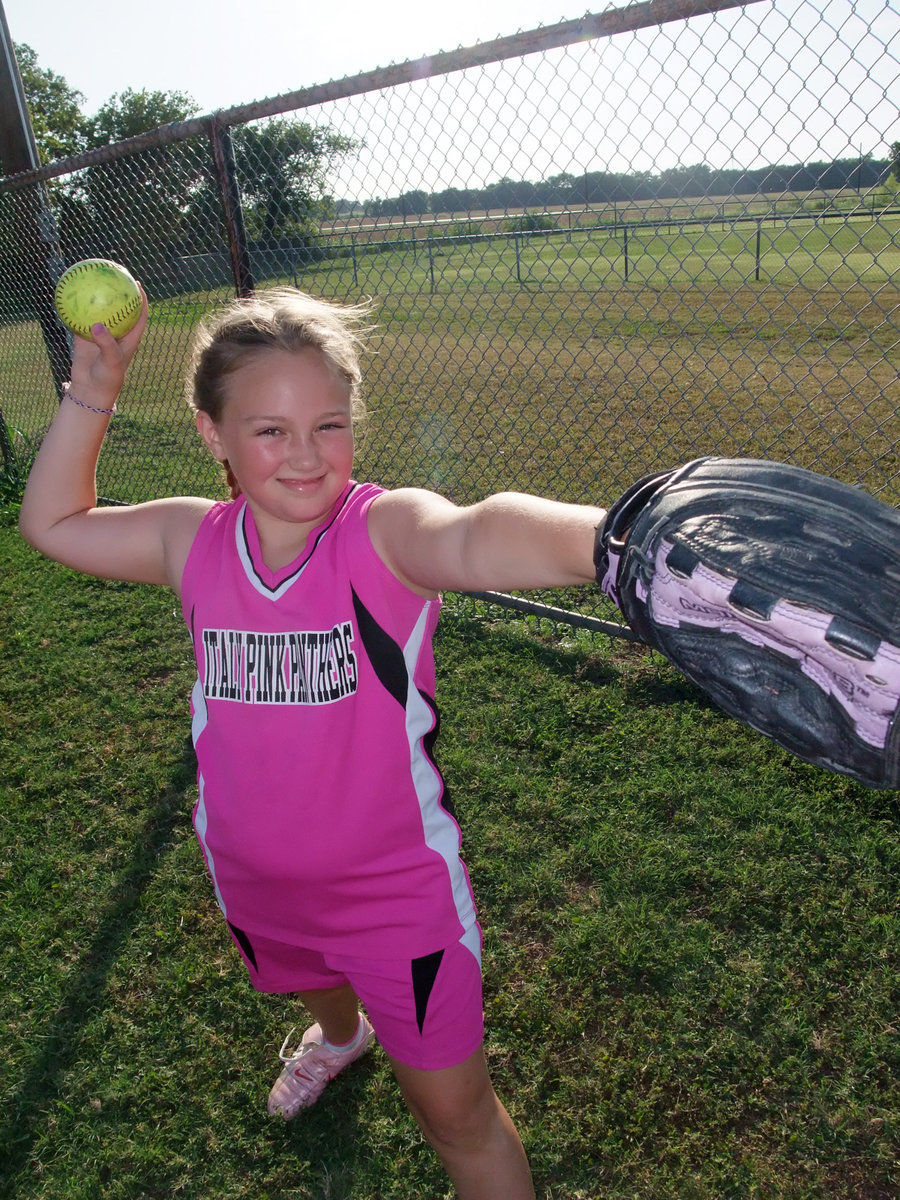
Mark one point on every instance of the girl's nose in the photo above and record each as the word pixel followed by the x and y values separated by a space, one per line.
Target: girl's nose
pixel 302 452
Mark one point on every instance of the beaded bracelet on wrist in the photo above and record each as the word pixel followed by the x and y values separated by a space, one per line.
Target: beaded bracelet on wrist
pixel 105 412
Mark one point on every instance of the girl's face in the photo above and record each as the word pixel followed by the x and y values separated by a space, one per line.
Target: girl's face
pixel 287 432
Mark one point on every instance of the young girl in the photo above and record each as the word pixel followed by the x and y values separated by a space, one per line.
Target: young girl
pixel 311 600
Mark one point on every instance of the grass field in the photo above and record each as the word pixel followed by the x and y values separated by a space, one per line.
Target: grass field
pixel 691 938
pixel 567 380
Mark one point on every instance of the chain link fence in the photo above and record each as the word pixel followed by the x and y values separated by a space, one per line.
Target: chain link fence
pixel 595 249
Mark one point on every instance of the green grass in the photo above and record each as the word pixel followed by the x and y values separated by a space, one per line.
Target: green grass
pixel 569 384
pixel 691 939
pixel 691 974
pixel 659 255
pixel 545 370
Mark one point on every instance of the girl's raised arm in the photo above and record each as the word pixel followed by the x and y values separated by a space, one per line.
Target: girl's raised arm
pixel 145 543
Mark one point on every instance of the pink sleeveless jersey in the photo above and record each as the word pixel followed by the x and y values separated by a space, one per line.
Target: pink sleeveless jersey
pixel 321 812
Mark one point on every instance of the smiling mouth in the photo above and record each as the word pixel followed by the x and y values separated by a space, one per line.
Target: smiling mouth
pixel 300 484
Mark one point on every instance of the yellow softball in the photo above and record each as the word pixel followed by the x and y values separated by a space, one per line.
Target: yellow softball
pixel 98 290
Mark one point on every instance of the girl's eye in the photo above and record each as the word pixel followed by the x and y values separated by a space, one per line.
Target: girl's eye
pixel 272 431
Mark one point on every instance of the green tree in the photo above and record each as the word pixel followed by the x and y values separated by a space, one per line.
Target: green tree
pixel 413 203
pixel 131 112
pixel 138 206
pixel 55 108
pixel 283 168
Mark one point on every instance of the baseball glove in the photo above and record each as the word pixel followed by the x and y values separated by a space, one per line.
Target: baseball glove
pixel 777 591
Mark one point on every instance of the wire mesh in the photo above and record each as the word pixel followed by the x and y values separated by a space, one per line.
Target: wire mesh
pixel 589 260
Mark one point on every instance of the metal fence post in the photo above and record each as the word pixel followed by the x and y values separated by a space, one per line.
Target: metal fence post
pixel 38 235
pixel 6 449
pixel 226 176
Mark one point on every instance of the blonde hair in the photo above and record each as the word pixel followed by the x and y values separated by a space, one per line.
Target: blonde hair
pixel 276 319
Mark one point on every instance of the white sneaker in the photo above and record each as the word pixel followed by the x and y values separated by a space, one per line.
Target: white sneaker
pixel 311 1067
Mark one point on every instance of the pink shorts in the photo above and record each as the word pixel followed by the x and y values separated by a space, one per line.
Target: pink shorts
pixel 428 1012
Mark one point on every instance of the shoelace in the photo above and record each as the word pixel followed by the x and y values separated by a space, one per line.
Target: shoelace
pixel 309 1072
pixel 303 1049
pixel 304 1072
pixel 286 1058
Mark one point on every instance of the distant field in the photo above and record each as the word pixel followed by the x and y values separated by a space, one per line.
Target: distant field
pixel 534 364
pixel 763 204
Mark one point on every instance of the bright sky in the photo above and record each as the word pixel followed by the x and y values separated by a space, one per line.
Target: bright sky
pixel 230 52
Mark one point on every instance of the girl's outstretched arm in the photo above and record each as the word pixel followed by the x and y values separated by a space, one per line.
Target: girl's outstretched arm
pixel 509 540
pixel 146 543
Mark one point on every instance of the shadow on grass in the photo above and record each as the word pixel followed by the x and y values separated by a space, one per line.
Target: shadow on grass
pixel 490 639
pixel 84 994
pixel 662 691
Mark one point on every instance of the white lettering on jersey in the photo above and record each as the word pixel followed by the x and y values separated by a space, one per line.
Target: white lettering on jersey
pixel 309 667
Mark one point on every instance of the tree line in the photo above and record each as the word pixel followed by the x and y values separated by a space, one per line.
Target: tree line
pixel 605 187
